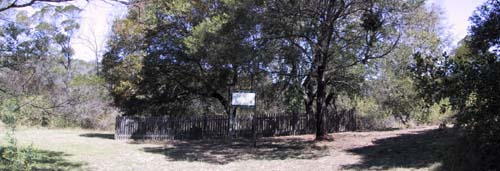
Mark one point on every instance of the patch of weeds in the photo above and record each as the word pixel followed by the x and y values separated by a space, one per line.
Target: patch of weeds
pixel 14 158
pixel 17 158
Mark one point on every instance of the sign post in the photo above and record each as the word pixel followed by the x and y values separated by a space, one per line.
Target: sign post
pixel 246 99
pixel 243 99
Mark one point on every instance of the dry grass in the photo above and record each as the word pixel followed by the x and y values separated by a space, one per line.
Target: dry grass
pixel 413 149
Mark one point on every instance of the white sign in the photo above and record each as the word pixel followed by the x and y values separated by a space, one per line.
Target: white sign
pixel 243 99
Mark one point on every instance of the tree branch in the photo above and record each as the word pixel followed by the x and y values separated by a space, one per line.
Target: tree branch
pixel 367 56
pixel 14 4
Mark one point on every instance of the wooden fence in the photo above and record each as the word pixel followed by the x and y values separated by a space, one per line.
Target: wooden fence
pixel 160 128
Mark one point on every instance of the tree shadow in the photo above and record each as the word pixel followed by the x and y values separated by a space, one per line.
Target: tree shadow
pixel 44 160
pixel 420 150
pixel 221 152
pixel 98 135
pixel 389 129
pixel 51 160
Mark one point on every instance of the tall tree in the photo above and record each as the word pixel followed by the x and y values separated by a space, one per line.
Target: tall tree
pixel 391 80
pixel 165 53
pixel 184 50
pixel 333 36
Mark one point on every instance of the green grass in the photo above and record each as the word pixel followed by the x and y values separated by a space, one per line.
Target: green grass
pixel 75 149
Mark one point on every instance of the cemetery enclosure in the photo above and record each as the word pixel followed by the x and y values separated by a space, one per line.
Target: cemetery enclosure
pixel 216 126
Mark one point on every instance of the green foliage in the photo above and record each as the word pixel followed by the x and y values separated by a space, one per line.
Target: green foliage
pixel 208 26
pixel 15 158
pixel 86 80
pixel 176 57
pixel 40 83
pixel 9 112
pixel 372 115
pixel 202 50
pixel 184 56
pixel 389 92
pixel 25 110
pixel 293 99
pixel 440 112
pixel 470 80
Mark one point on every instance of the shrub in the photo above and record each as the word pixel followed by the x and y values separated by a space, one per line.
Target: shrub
pixel 13 157
pixel 16 158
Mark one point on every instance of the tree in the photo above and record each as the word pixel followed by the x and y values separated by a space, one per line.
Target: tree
pixel 333 36
pixel 470 79
pixel 206 49
pixel 11 4
pixel 92 43
pixel 182 51
pixel 391 80
pixel 41 83
pixel 27 48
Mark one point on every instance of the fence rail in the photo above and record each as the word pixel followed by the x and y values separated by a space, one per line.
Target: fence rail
pixel 215 126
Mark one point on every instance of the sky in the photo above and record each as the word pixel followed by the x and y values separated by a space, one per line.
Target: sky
pixel 97 17
pixel 96 20
pixel 456 16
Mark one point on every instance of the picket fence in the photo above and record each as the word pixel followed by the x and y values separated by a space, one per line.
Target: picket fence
pixel 216 126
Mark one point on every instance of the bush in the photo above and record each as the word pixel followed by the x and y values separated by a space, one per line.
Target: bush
pixel 86 105
pixel 371 115
pixel 436 113
pixel 13 157
pixel 374 115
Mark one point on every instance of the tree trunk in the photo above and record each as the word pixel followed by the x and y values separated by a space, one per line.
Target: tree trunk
pixel 231 120
pixel 321 59
pixel 320 102
pixel 227 109
pixel 295 119
pixel 205 120
pixel 308 101
pixel 309 113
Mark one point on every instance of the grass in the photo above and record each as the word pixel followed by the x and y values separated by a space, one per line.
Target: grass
pixel 74 149
pixel 49 160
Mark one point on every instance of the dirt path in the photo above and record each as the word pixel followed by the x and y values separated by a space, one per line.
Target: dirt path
pixel 411 149
pixel 380 150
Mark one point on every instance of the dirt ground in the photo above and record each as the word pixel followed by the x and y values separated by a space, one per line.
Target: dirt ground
pixel 409 149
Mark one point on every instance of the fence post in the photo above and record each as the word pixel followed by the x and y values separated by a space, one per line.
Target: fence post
pixel 204 131
pixel 295 120
pixel 254 131
pixel 117 126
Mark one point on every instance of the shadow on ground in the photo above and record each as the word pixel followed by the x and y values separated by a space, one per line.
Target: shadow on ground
pixel 51 160
pixel 220 152
pixel 98 135
pixel 47 160
pixel 421 150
